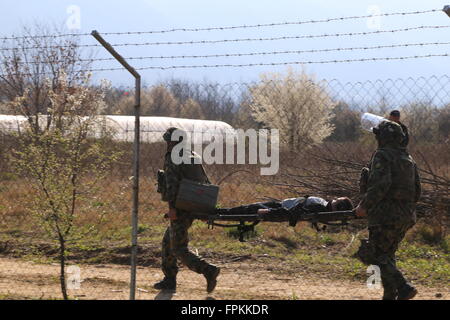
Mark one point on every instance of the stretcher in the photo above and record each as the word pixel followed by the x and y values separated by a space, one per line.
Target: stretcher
pixel 247 221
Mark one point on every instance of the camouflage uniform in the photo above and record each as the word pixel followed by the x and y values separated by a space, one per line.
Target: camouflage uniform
pixel 365 171
pixel 405 142
pixel 364 178
pixel 176 238
pixel 389 197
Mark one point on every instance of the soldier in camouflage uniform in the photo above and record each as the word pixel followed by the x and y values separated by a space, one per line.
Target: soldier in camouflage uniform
pixel 176 238
pixel 389 195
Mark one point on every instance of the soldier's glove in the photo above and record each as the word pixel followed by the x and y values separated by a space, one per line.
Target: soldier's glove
pixel 172 214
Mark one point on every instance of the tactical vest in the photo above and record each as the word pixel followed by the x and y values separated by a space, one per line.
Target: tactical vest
pixel 194 171
pixel 403 176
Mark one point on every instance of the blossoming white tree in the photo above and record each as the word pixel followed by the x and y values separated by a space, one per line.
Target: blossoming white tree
pixel 294 103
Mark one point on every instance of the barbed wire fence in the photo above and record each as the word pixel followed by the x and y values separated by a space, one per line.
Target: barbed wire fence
pixel 100 264
pixel 63 35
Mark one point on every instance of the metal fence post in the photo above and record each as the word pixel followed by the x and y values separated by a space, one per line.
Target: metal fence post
pixel 136 153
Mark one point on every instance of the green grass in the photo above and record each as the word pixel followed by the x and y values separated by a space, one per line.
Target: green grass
pixel 300 249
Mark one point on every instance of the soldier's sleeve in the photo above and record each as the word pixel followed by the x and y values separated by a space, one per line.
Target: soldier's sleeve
pixel 378 183
pixel 418 185
pixel 172 183
pixel 405 131
pixel 363 179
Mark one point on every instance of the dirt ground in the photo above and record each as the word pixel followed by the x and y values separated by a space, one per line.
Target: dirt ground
pixel 238 280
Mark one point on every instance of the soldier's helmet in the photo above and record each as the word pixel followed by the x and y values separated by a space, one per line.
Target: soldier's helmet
pixel 389 131
pixel 167 136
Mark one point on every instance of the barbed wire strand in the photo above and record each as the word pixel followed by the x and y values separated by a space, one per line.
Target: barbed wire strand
pixel 241 39
pixel 265 53
pixel 298 62
pixel 261 25
pixel 253 64
pixel 272 24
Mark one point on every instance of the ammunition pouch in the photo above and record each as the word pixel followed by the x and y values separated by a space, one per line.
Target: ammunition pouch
pixel 161 184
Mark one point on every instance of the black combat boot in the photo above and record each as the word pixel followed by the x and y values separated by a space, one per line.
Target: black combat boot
pixel 389 291
pixel 390 295
pixel 166 284
pixel 211 273
pixel 406 292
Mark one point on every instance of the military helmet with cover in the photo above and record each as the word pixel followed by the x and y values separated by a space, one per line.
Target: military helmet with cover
pixel 389 131
pixel 167 136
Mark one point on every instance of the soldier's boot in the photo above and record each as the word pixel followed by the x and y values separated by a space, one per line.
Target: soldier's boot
pixel 211 273
pixel 390 295
pixel 389 290
pixel 406 292
pixel 166 284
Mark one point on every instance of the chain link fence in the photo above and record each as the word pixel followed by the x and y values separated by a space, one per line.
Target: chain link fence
pixel 323 150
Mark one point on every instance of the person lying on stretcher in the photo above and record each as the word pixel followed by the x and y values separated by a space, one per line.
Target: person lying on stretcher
pixel 312 204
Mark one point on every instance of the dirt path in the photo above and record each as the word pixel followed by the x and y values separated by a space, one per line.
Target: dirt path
pixel 245 280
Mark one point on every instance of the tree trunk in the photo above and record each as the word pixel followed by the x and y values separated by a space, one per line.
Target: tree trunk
pixel 62 261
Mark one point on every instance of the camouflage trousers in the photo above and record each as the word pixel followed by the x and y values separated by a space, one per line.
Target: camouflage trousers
pixel 380 250
pixel 175 248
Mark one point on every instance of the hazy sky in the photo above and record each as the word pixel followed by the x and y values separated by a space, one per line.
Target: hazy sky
pixel 144 15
